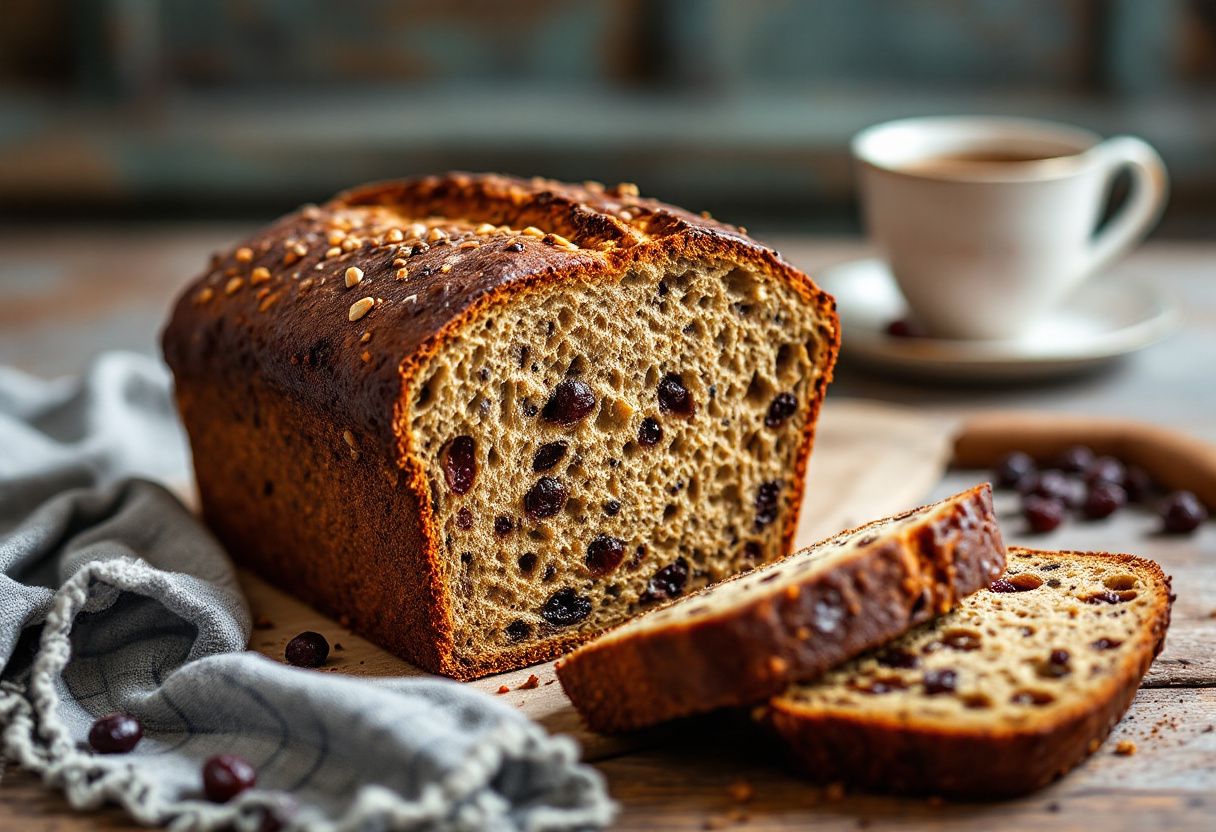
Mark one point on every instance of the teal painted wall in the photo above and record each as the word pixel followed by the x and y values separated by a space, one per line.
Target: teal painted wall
pixel 172 108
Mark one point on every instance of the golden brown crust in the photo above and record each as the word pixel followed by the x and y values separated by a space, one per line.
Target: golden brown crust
pixel 755 650
pixel 267 331
pixel 900 756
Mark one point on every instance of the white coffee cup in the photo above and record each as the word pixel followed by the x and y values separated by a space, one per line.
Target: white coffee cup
pixel 987 223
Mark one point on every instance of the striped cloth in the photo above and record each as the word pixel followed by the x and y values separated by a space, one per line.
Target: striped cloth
pixel 114 598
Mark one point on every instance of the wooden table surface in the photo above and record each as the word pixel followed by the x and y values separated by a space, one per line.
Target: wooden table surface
pixel 67 295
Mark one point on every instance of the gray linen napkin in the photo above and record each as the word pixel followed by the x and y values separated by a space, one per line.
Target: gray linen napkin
pixel 114 598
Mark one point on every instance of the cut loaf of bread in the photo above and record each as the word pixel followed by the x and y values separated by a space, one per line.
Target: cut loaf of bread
pixel 482 418
pixel 1007 692
pixel 746 639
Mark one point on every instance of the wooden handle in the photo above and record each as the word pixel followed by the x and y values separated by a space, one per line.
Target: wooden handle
pixel 1175 460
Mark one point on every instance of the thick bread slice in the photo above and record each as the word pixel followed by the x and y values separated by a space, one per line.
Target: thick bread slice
pixel 746 639
pixel 1011 690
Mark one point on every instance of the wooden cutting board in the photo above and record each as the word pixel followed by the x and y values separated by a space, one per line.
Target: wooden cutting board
pixel 869 460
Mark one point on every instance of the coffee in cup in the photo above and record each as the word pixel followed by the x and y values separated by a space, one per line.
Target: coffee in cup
pixel 987 223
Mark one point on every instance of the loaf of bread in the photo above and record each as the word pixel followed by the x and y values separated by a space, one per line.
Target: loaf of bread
pixel 482 418
pixel 745 640
pixel 1015 687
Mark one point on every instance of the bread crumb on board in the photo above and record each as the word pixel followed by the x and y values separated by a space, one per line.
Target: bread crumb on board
pixel 1125 748
pixel 532 683
pixel 503 689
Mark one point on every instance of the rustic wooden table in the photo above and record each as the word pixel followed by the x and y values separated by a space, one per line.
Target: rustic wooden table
pixel 69 294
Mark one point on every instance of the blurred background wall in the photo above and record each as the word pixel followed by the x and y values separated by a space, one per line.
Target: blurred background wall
pixel 178 109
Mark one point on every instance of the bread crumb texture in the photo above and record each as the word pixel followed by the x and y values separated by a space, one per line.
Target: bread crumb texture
pixel 1037 643
pixel 606 446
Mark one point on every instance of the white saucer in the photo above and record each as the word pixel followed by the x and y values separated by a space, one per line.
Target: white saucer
pixel 1104 320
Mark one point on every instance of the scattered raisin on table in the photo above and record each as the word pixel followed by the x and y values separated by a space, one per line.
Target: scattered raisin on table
pixel 902 328
pixel 1106 469
pixel 1182 513
pixel 227 775
pixel 308 649
pixel 1075 460
pixel 1013 469
pixel 115 733
pixel 1043 514
pixel 1105 497
pixel 279 815
pixel 1052 485
pixel 1138 484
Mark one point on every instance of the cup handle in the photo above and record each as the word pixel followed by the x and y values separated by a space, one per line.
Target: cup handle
pixel 1144 203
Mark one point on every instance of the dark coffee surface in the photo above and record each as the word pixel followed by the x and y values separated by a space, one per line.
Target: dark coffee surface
pixel 972 160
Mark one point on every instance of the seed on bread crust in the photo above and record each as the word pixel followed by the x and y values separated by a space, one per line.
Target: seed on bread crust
pixel 360 308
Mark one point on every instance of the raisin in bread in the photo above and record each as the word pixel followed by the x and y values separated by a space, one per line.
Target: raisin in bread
pixel 1009 691
pixel 484 418
pixel 745 640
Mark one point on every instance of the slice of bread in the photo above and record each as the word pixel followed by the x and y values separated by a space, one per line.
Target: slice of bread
pixel 1015 687
pixel 744 640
